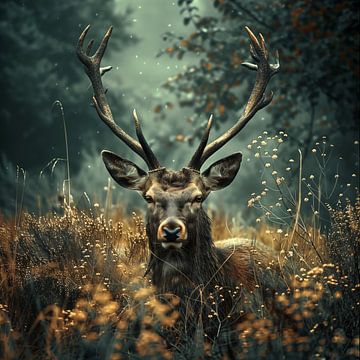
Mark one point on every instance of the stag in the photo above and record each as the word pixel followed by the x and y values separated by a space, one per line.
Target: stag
pixel 183 257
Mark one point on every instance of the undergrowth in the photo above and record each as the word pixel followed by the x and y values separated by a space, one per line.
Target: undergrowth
pixel 72 285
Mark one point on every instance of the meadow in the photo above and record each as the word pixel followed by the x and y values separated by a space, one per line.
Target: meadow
pixel 72 282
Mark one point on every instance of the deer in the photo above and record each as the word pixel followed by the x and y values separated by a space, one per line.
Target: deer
pixel 184 259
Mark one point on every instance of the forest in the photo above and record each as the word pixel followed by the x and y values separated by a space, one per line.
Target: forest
pixel 267 268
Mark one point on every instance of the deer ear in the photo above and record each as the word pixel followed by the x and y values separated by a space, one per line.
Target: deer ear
pixel 124 172
pixel 222 172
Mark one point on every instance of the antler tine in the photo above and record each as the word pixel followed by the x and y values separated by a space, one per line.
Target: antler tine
pixel 257 100
pixel 153 161
pixel 195 162
pixel 94 72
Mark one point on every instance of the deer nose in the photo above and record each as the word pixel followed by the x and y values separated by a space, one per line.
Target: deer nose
pixel 171 234
pixel 172 230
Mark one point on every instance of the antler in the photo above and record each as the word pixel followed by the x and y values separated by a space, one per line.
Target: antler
pixel 257 100
pixel 94 72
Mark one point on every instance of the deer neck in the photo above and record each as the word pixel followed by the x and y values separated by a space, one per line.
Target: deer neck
pixel 196 264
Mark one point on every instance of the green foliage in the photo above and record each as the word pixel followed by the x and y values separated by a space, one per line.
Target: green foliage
pixel 317 88
pixel 39 66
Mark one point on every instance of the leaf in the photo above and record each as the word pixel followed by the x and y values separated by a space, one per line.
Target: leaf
pixel 157 109
pixel 221 109
pixel 187 20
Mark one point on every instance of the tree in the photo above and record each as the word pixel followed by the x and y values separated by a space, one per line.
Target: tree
pixel 316 92
pixel 39 66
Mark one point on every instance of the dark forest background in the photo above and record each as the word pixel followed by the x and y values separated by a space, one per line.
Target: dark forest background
pixel 176 66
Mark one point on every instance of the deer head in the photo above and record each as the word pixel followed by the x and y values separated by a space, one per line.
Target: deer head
pixel 175 198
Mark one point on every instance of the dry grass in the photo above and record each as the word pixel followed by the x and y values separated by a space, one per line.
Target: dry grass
pixel 72 285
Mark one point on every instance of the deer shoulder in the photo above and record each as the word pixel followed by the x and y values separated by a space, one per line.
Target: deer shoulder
pixel 248 260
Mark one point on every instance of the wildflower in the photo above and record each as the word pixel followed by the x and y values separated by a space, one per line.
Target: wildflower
pixel 313 150
pixel 311 177
pixel 251 202
pixel 288 169
pixel 257 155
pixel 274 172
pixel 267 165
pixel 274 157
pixel 249 146
pixel 279 231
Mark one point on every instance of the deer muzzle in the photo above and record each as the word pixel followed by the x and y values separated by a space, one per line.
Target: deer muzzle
pixel 172 233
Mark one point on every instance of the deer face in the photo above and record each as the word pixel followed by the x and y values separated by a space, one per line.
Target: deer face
pixel 174 198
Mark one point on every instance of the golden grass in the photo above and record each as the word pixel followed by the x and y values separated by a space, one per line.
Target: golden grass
pixel 99 265
pixel 72 286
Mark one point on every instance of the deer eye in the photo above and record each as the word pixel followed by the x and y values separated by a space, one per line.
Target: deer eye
pixel 148 199
pixel 198 199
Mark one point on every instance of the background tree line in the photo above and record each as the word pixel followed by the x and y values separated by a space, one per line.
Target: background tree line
pixel 317 90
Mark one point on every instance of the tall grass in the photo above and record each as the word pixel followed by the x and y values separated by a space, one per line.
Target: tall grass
pixel 73 286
